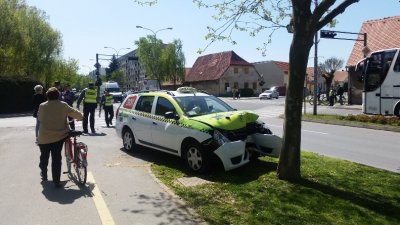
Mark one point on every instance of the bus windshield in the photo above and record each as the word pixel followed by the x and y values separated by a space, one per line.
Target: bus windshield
pixel 377 68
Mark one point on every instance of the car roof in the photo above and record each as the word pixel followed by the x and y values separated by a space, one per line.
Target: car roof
pixel 180 92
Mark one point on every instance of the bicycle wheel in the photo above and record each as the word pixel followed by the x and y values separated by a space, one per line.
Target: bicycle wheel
pixel 311 100
pixel 68 153
pixel 81 172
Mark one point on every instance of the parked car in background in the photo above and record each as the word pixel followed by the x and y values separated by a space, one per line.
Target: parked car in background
pixel 198 127
pixel 269 94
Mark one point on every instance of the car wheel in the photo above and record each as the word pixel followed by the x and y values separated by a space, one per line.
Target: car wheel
pixel 128 140
pixel 196 158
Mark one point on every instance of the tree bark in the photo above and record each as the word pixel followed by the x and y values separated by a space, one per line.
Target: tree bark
pixel 289 160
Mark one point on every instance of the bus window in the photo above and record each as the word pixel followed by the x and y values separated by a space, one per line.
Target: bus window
pixel 377 68
pixel 396 67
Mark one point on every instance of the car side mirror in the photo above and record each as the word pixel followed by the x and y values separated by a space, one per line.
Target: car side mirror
pixel 171 115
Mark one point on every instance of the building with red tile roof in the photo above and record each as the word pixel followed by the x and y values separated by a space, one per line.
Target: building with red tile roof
pixel 381 34
pixel 222 72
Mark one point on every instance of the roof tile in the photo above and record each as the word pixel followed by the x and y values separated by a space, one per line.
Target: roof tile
pixel 381 34
pixel 213 66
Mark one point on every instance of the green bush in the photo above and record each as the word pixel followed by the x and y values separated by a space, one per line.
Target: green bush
pixel 17 94
pixel 246 92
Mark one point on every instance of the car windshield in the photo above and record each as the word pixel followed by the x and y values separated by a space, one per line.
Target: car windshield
pixel 113 89
pixel 201 105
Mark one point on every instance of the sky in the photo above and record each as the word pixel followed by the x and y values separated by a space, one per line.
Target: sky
pixel 87 26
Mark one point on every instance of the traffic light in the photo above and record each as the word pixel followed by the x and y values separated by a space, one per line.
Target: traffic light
pixel 327 34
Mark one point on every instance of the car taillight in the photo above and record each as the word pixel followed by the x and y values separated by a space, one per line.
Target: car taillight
pixel 116 112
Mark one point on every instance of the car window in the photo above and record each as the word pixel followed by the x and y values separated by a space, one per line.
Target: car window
pixel 163 106
pixel 128 104
pixel 145 103
pixel 201 105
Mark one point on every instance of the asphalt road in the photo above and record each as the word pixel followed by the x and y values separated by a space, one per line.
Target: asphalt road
pixel 119 190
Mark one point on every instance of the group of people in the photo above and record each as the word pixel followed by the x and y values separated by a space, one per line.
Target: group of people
pixel 55 116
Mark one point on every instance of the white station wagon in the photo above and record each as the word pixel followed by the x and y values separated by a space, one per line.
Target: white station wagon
pixel 200 128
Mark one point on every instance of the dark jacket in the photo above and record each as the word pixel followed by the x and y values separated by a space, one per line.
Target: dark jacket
pixel 37 100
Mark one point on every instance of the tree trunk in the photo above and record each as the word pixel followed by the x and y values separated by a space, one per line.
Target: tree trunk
pixel 289 160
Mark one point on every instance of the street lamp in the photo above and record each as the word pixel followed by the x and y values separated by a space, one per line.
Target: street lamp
pixel 116 49
pixel 154 32
pixel 155 70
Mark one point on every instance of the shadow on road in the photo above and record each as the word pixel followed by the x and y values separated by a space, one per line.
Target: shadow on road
pixel 66 194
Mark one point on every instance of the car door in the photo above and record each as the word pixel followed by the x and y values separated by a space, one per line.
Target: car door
pixel 166 133
pixel 142 121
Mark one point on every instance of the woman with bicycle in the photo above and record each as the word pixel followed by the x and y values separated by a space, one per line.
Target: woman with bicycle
pixel 53 130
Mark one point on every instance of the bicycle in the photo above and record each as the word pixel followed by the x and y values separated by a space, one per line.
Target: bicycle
pixel 76 154
pixel 322 100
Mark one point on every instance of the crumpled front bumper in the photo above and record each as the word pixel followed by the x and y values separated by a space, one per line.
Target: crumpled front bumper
pixel 234 154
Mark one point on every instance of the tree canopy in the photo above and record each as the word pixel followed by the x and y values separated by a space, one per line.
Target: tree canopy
pixel 328 69
pixel 163 62
pixel 29 46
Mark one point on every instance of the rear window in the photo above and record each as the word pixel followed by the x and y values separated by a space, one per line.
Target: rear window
pixel 130 101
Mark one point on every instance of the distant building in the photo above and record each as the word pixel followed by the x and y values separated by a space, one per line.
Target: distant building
pixel 221 73
pixel 273 73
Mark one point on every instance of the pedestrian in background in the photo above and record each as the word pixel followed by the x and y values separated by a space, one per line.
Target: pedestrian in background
pixel 89 98
pixel 53 130
pixel 107 103
pixel 38 98
pixel 68 96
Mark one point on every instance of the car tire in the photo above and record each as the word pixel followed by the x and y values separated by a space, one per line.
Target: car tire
pixel 128 140
pixel 197 159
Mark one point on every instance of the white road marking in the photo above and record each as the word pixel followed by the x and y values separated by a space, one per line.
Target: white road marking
pixel 102 210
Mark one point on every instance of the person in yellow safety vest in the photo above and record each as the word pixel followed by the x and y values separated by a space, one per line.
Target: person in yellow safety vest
pixel 89 97
pixel 107 103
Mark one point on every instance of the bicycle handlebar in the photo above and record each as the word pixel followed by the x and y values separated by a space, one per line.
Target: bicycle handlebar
pixel 75 133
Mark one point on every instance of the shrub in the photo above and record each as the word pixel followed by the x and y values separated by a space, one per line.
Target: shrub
pixel 17 94
pixel 246 92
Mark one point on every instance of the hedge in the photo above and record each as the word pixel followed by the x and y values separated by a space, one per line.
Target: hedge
pixel 17 93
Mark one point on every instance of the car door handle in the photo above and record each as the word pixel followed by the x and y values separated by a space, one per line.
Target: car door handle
pixel 134 118
pixel 154 123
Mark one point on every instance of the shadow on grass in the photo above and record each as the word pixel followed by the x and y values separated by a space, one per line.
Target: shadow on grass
pixel 249 172
pixel 377 204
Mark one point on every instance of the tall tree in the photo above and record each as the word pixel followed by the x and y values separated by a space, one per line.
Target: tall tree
pixel 255 16
pixel 149 53
pixel 112 67
pixel 328 69
pixel 173 61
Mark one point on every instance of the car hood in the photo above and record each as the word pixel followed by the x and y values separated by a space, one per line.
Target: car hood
pixel 116 93
pixel 232 120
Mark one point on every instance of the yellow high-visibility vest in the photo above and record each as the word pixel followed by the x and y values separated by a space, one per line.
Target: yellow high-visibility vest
pixel 109 100
pixel 90 96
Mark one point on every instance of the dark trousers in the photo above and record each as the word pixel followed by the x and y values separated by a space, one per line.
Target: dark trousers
pixel 55 150
pixel 88 109
pixel 108 114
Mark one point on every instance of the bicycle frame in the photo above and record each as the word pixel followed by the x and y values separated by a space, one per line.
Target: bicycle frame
pixel 76 154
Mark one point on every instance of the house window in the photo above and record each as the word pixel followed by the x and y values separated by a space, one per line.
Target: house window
pixel 235 85
pixel 254 85
pixel 226 86
pixel 246 85
pixel 235 70
pixel 246 70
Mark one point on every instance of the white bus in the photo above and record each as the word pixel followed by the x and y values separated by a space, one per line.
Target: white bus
pixel 381 80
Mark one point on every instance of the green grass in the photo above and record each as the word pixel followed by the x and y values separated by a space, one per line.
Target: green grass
pixel 331 192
